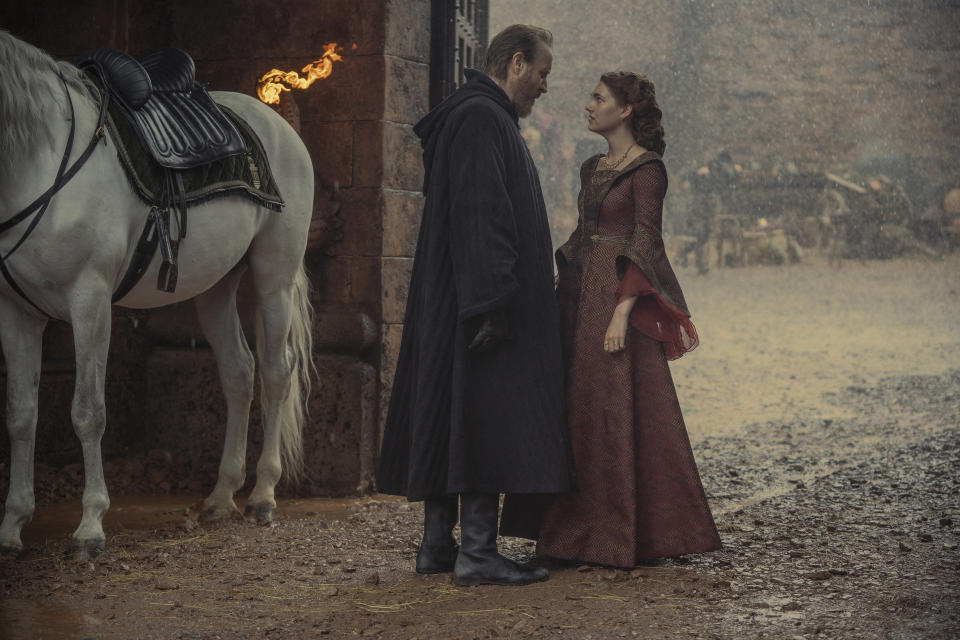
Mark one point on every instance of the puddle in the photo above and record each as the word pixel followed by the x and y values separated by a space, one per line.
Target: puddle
pixel 58 521
pixel 33 620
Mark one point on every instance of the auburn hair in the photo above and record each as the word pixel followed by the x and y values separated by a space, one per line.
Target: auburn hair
pixel 636 90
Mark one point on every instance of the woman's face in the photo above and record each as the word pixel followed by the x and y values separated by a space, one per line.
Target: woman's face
pixel 603 112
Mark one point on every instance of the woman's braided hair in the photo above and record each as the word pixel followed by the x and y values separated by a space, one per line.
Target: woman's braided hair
pixel 637 91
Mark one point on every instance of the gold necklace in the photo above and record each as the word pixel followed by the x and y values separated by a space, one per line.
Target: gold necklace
pixel 606 160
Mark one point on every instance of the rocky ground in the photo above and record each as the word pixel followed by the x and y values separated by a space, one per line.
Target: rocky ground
pixel 836 489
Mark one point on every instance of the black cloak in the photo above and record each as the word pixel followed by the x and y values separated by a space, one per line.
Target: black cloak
pixel 458 421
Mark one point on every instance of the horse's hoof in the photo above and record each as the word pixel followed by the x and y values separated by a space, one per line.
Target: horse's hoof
pixel 88 550
pixel 261 514
pixel 10 551
pixel 216 514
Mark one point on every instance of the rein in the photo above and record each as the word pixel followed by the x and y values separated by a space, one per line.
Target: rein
pixel 39 206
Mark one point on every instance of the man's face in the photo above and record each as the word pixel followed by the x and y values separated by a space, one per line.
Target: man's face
pixel 531 82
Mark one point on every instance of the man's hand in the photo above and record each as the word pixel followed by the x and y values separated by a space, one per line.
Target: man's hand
pixel 494 329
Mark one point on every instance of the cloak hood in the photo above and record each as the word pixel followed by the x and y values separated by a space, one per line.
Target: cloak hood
pixel 429 128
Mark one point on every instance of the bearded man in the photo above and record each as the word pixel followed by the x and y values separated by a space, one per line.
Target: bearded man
pixel 478 406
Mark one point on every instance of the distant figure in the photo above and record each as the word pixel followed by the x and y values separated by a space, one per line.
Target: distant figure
pixel 698 222
pixel 477 407
pixel 623 316
pixel 728 231
pixel 711 185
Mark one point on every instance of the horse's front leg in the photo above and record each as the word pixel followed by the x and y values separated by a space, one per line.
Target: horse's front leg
pixel 21 337
pixel 91 336
pixel 217 313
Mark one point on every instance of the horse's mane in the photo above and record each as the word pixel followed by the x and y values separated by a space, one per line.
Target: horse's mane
pixel 29 90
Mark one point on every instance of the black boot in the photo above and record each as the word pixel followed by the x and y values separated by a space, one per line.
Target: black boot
pixel 478 561
pixel 438 551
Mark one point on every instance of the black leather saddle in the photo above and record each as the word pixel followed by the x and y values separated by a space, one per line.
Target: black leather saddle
pixel 181 127
pixel 174 116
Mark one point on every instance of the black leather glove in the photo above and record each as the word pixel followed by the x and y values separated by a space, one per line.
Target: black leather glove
pixel 494 328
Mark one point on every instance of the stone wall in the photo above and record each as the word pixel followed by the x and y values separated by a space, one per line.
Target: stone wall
pixel 408 91
pixel 825 82
pixel 357 126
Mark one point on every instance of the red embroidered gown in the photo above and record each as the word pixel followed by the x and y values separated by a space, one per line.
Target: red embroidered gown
pixel 639 494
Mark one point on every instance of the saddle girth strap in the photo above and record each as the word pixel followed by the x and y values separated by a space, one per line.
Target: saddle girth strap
pixel 142 256
pixel 156 233
pixel 167 277
pixel 182 198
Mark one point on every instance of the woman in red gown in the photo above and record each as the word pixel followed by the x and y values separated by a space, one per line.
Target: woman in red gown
pixel 623 316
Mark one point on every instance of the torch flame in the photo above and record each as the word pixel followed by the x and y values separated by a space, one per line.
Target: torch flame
pixel 274 81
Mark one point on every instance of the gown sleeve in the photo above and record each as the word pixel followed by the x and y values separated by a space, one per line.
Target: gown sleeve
pixel 653 315
pixel 566 252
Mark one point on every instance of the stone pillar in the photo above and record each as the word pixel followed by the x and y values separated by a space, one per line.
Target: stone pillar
pixel 407 54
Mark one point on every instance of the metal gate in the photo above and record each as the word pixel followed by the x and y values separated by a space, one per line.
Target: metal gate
pixel 458 40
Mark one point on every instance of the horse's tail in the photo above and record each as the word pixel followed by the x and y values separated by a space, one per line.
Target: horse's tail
pixel 294 411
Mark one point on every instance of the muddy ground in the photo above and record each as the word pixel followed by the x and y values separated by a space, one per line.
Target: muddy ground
pixel 824 411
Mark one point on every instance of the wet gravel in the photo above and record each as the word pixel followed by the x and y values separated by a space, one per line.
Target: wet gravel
pixel 852 531
pixel 843 528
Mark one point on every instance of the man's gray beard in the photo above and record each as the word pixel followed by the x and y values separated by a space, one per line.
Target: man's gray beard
pixel 524 110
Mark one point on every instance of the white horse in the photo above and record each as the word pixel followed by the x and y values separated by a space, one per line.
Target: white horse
pixel 79 251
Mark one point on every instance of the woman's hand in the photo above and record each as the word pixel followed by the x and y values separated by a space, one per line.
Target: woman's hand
pixel 616 336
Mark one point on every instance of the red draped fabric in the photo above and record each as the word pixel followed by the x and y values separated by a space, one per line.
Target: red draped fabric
pixel 656 318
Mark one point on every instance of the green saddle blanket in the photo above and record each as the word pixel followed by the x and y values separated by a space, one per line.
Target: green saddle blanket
pixel 246 174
